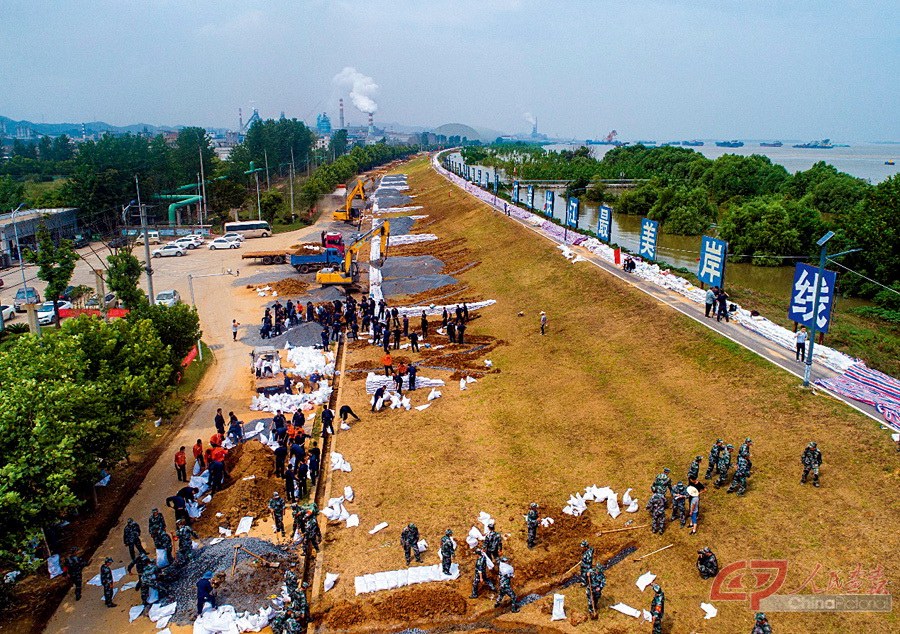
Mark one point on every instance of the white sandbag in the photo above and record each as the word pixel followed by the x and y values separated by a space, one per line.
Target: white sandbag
pixel 378 527
pixel 330 579
pixel 344 514
pixel 433 394
pixel 161 559
pixel 506 570
pixel 348 493
pixel 406 403
pixel 559 611
pixel 244 525
pixel 634 507
pixel 601 494
pixel 489 363
pixel 423 407
pixel 353 520
pixel 471 541
pixel 709 609
pixel 469 379
pixel 462 384
pixel 129 585
pixel 135 612
pixel 225 532
pixel 216 540
pixel 612 506
pixel 546 522
pixel 626 498
pixel 359 586
pixel 53 566
pixel 330 513
pixel 490 564
pixel 196 469
pixel 153 596
pixel 345 427
pixel 648 616
pixel 422 545
pixel 193 509
pixel 381 581
pixel 474 532
pixel 626 609
pixel 336 502
pixel 645 580
pixel 207 499
pixel 163 622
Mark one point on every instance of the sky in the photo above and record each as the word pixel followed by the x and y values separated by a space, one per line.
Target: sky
pixel 651 69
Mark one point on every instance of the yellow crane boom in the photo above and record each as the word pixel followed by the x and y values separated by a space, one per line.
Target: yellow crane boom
pixel 349 274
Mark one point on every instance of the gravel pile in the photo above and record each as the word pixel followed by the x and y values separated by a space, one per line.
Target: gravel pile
pixel 413 285
pixel 410 266
pixel 309 333
pixel 400 226
pixel 249 589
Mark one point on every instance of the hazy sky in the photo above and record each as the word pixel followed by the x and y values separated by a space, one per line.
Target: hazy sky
pixel 663 69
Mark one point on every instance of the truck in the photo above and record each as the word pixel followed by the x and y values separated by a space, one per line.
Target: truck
pixel 303 260
pixel 266 257
pixel 316 261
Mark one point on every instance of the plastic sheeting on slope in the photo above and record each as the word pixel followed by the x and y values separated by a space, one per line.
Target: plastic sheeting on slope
pixel 391 579
pixel 374 381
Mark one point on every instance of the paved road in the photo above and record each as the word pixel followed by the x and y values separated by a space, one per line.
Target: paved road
pixel 767 349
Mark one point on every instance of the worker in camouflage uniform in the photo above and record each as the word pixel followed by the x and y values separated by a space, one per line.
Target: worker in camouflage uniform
pixel 291 581
pixel 132 538
pixel 165 543
pixel 745 448
pixel 297 519
pixel 761 626
pixel 679 499
pixel 276 505
pixel 493 543
pixel 587 560
pixel 409 539
pixel 277 622
pixel 299 604
pixel 185 535
pixel 480 573
pixel 311 533
pixel 657 507
pixel 707 563
pixel 506 574
pixel 531 520
pixel 448 550
pixel 595 582
pixel 741 473
pixel 717 448
pixel 694 469
pixel 106 580
pixel 74 566
pixel 157 526
pixel 149 581
pixel 662 483
pixel 812 460
pixel 291 624
pixel 723 466
pixel 657 608
pixel 140 564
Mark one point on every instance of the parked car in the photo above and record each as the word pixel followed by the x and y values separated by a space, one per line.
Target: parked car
pixel 26 295
pixel 152 238
pixel 168 298
pixel 45 312
pixel 222 243
pixel 185 242
pixel 8 312
pixel 234 237
pixel 81 240
pixel 118 242
pixel 168 250
pixel 196 237
pixel 110 300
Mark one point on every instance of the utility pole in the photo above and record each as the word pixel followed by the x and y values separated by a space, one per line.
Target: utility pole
pixel 292 184
pixel 266 156
pixel 258 205
pixel 146 231
pixel 204 205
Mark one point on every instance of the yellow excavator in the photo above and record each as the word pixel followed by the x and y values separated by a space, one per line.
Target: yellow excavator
pixel 347 213
pixel 348 274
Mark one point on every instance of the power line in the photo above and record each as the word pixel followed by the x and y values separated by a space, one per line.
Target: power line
pixel 868 279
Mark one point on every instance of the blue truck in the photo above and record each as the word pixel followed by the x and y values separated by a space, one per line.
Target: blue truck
pixel 316 261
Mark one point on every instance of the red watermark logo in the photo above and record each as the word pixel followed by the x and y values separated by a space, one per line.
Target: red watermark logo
pixel 749 579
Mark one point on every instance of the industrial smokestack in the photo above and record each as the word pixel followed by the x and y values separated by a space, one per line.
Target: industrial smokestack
pixel 240 120
pixel 341 101
pixel 534 132
pixel 371 125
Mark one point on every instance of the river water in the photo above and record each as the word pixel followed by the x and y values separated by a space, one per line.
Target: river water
pixel 679 251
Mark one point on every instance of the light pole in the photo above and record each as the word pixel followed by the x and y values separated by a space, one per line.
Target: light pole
pixel 823 256
pixel 19 249
pixel 191 277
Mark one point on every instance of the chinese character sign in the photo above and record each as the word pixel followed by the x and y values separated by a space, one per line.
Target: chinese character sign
pixel 515 192
pixel 479 177
pixel 712 261
pixel 496 183
pixel 604 223
pixel 803 293
pixel 647 247
pixel 530 199
pixel 548 202
pixel 572 213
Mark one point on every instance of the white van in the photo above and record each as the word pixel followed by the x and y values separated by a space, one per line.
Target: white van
pixel 152 238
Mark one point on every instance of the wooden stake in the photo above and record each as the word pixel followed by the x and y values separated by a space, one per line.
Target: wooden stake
pixel 619 530
pixel 234 565
pixel 654 552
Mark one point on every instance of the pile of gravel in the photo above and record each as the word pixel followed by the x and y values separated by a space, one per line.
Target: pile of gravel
pixel 413 285
pixel 410 266
pixel 401 225
pixel 219 558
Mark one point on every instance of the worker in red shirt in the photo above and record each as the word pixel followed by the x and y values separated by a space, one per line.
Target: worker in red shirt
pixel 180 465
pixel 216 439
pixel 218 454
pixel 198 455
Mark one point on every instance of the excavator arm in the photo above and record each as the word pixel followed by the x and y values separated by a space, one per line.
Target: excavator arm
pixel 349 273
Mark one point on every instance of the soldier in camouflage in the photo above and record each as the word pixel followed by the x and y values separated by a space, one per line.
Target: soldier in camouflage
pixel 694 470
pixel 707 563
pixel 717 448
pixel 299 604
pixel 531 520
pixel 311 533
pixel 149 581
pixel 741 473
pixel 291 581
pixel 812 460
pixel 165 543
pixel 745 448
pixel 662 483
pixel 506 574
pixel 493 543
pixel 291 624
pixel 761 626
pixel 596 581
pixel 185 535
pixel 74 566
pixel 140 564
pixel 157 526
pixel 679 499
pixel 657 507
pixel 106 580
pixel 277 622
pixel 297 518
pixel 587 561
pixel 723 466
pixel 480 573
pixel 448 549
pixel 132 538
pixel 276 505
pixel 409 539
pixel 658 608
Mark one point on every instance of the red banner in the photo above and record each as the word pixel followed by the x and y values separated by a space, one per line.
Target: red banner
pixel 190 357
pixel 75 312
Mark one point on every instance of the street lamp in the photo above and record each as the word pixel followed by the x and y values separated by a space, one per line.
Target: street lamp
pixel 823 256
pixel 19 248
pixel 191 277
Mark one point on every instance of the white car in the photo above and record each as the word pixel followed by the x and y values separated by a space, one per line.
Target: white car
pixel 169 250
pixel 168 298
pixel 45 312
pixel 196 237
pixel 8 312
pixel 222 243
pixel 233 237
pixel 185 242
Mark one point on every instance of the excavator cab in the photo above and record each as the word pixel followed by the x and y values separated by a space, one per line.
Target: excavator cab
pixel 348 274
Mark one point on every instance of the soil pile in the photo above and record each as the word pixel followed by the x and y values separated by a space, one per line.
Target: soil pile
pixel 242 496
pixel 402 606
pixel 290 286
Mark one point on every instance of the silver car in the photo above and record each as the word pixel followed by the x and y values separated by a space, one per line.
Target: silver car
pixel 168 298
pixel 168 250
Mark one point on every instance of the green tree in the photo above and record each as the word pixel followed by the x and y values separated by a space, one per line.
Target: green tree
pixel 683 211
pixel 11 194
pixel 123 276
pixel 760 229
pixel 56 263
pixel 731 175
pixel 191 143
pixel 24 150
pixel 178 327
pixel 63 148
pixel 271 205
pixel 640 200
pixel 338 144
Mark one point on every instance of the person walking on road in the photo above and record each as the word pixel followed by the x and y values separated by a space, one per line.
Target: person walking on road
pixel 220 421
pixel 801 338
pixel 132 538
pixel 812 460
pixel 234 329
pixel 710 299
pixel 74 567
pixel 543 323
pixel 181 465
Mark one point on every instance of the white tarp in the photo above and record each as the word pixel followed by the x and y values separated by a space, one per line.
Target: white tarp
pixel 411 238
pixel 435 309
pixel 365 584
pixel 117 575
pixel 244 525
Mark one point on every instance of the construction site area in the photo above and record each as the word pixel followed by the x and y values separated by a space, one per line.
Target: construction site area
pixel 547 396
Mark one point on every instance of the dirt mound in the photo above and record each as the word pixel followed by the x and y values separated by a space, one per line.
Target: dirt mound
pixel 242 496
pixel 455 357
pixel 304 248
pixel 287 286
pixel 403 606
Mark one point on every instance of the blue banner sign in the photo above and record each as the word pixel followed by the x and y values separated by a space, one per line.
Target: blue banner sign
pixel 548 202
pixel 647 245
pixel 572 212
pixel 515 192
pixel 712 261
pixel 803 297
pixel 530 199
pixel 604 223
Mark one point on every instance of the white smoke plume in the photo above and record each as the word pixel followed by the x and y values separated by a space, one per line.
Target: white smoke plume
pixel 362 89
pixel 529 118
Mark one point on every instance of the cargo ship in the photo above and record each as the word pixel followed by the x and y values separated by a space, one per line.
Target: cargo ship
pixel 824 144
pixel 730 143
pixel 694 143
pixel 772 144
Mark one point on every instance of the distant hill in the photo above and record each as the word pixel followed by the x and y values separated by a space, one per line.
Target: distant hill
pixel 9 126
